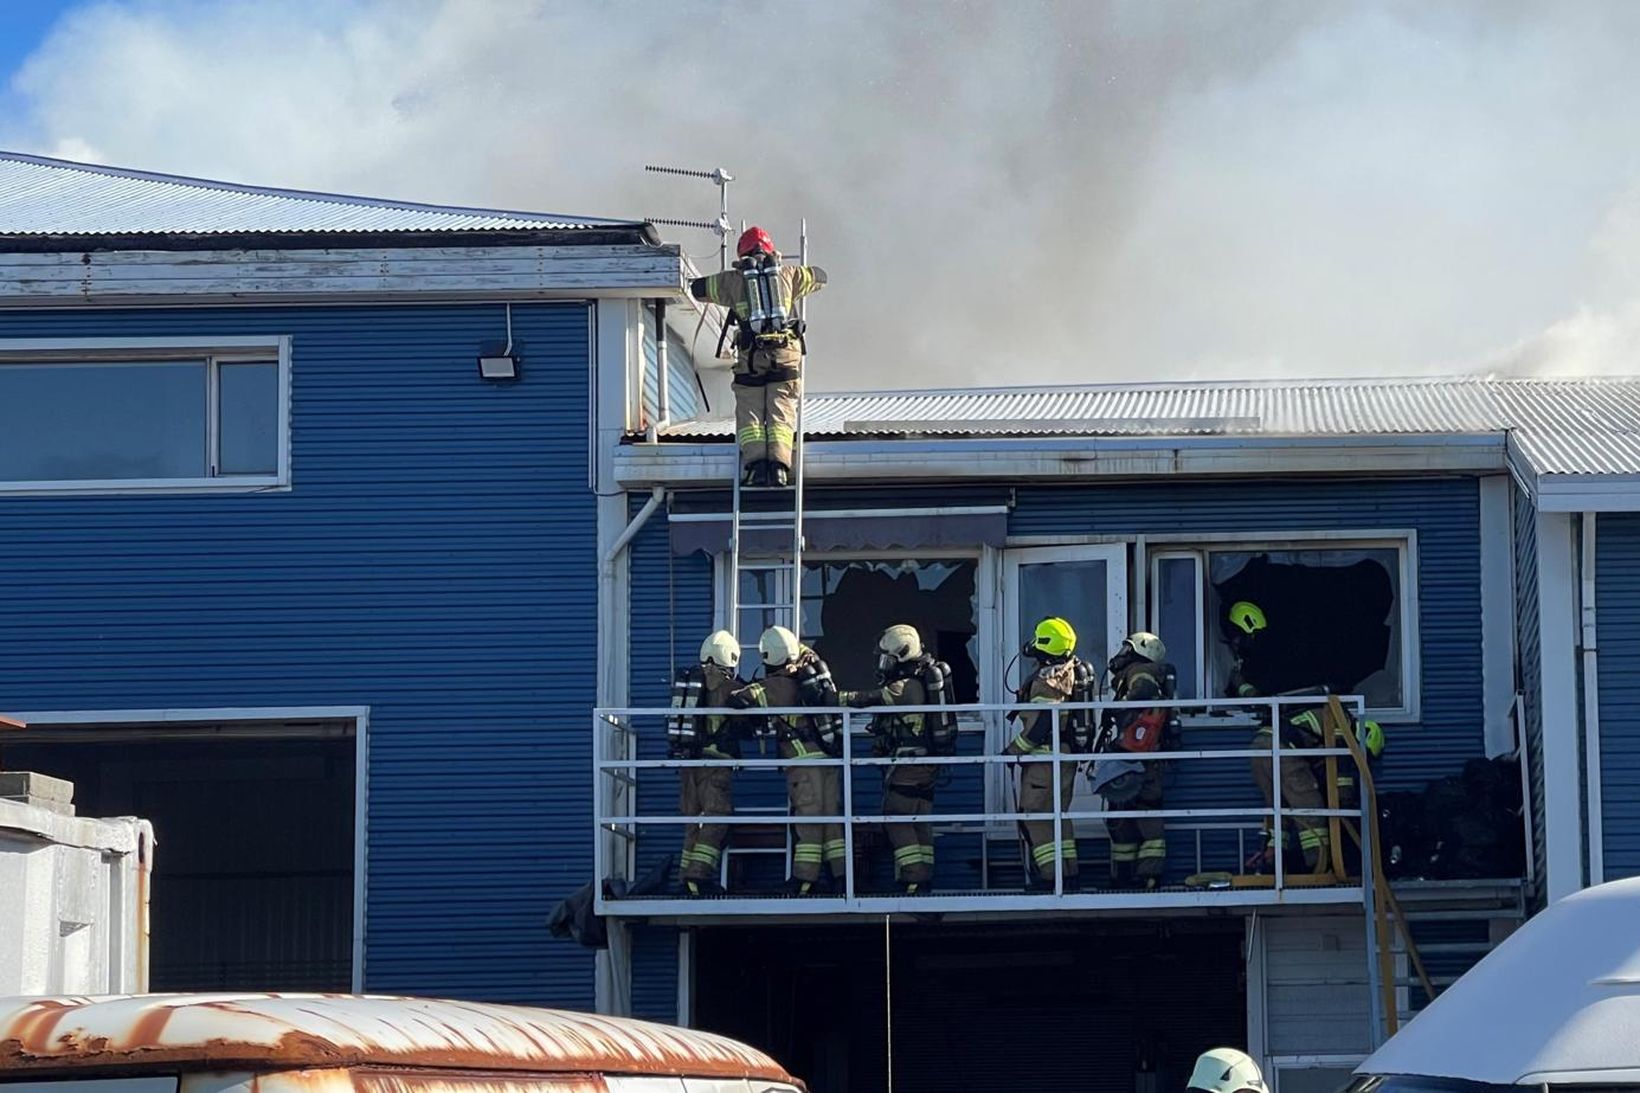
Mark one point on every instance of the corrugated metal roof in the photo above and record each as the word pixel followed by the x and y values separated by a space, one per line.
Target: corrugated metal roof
pixel 41 196
pixel 1566 426
pixel 293 1031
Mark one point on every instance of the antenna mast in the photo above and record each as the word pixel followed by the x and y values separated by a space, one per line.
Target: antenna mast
pixel 721 177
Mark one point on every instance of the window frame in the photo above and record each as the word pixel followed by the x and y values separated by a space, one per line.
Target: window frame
pixel 214 352
pixel 1153 602
pixel 1403 541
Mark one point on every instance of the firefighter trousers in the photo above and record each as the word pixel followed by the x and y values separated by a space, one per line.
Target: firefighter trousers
pixel 766 420
pixel 816 791
pixel 1299 789
pixel 1036 795
pixel 1138 848
pixel 707 791
pixel 909 791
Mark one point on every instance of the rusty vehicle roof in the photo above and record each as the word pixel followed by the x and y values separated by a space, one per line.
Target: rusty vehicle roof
pixel 71 1036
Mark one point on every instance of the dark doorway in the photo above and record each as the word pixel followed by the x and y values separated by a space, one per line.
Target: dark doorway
pixel 253 867
pixel 1031 1006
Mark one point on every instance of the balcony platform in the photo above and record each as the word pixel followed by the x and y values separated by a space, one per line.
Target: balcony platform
pixel 1459 896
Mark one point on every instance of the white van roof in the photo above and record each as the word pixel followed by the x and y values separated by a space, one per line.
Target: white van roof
pixel 169 1033
pixel 1556 1003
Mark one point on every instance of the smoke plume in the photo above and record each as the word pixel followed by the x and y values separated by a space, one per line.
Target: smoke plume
pixel 1002 192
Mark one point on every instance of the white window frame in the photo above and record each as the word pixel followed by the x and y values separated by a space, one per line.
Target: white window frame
pixel 213 351
pixel 1115 557
pixel 1154 605
pixel 1403 541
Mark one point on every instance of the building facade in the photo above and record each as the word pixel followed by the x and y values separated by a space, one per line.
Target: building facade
pixel 283 571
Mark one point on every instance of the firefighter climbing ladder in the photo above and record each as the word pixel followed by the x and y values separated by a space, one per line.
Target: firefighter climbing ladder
pixel 759 515
pixel 766 534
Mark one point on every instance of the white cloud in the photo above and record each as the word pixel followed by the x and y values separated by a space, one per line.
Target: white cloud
pixel 1003 193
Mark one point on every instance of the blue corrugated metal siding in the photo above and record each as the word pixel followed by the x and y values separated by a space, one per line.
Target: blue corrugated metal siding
pixel 655 973
pixel 1617 610
pixel 434 562
pixel 1530 666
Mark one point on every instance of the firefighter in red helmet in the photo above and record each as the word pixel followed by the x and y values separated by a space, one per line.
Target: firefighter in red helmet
pixel 761 297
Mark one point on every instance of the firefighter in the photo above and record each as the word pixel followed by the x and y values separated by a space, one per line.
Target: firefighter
pixel 1245 621
pixel 908 676
pixel 1059 677
pixel 1138 847
pixel 761 296
pixel 1304 780
pixel 1226 1070
pixel 794 675
pixel 706 791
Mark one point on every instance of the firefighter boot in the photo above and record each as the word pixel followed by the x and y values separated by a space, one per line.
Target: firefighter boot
pixel 779 474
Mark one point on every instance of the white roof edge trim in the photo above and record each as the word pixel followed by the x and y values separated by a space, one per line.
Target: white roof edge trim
pixel 1050 458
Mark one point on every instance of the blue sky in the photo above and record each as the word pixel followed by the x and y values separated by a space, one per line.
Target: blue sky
pixel 24 24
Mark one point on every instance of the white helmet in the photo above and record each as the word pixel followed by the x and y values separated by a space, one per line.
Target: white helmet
pixel 1147 645
pixel 721 649
pixel 898 644
pixel 1226 1070
pixel 778 645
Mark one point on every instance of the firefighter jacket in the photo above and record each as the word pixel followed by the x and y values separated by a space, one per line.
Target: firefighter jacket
pixel 1059 681
pixel 806 682
pixel 762 303
pixel 1304 731
pixel 897 734
pixel 1139 730
pixel 712 736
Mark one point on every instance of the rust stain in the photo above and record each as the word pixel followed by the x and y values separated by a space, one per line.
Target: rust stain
pixel 417 1033
pixel 147 1028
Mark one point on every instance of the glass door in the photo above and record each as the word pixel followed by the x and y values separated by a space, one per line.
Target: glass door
pixel 1084 585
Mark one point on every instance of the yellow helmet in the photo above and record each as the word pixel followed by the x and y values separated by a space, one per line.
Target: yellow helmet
pixel 1247 616
pixel 1054 637
pixel 1371 736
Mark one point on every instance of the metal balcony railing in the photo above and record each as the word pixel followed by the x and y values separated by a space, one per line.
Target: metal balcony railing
pixel 638 820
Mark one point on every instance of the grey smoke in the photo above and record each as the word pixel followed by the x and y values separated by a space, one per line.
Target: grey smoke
pixel 1002 192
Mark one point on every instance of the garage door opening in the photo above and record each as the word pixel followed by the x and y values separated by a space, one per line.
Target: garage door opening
pixel 253 883
pixel 1032 1006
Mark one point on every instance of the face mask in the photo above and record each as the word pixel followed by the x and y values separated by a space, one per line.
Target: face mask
pixel 886 664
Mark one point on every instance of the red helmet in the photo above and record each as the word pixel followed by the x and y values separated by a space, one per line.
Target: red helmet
pixel 754 240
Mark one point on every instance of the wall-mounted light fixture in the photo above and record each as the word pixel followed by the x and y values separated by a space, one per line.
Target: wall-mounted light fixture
pixel 498 363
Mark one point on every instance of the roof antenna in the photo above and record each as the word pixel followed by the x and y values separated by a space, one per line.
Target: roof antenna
pixel 722 178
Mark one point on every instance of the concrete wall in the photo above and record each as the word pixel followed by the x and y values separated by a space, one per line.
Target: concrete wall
pixel 73 895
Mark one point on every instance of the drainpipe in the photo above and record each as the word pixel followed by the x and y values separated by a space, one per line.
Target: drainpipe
pixel 1594 823
pixel 614 966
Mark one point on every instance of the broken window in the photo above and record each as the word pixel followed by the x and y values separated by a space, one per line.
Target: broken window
pixel 1333 621
pixel 848 604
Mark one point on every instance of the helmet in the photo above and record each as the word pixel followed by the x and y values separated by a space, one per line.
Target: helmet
pixel 1146 645
pixel 777 646
pixel 898 644
pixel 721 649
pixel 1371 736
pixel 754 240
pixel 1226 1070
pixel 1247 616
pixel 1054 637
